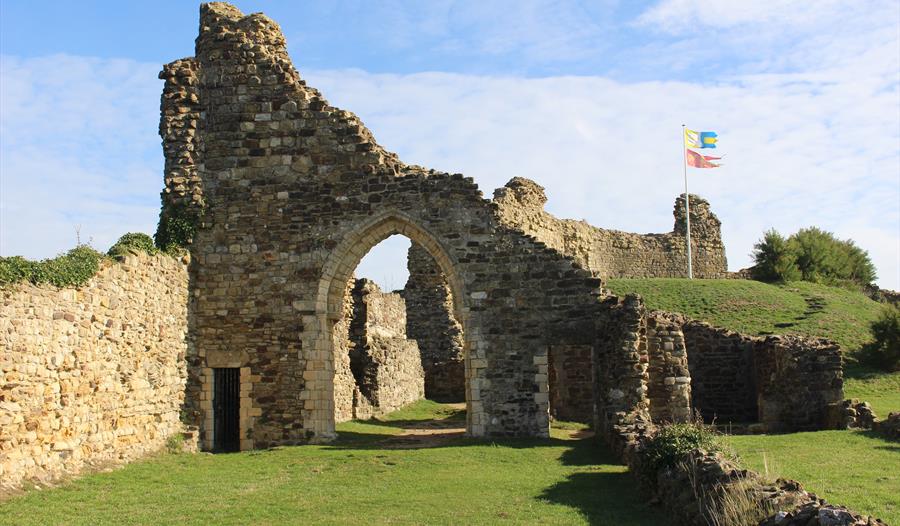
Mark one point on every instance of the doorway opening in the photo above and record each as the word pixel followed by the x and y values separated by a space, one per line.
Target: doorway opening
pixel 226 409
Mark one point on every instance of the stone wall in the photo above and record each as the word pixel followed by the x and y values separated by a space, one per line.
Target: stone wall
pixel 571 382
pixel 669 385
pixel 182 195
pixel 431 322
pixel 345 389
pixel 296 191
pixel 93 375
pixel 612 253
pixel 377 369
pixel 797 378
pixel 385 364
pixel 621 377
pixel 723 377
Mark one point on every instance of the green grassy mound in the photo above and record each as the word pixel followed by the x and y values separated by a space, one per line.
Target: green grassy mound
pixel 367 477
pixel 799 307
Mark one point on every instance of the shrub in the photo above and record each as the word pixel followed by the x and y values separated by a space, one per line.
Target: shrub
pixel 672 444
pixel 74 268
pixel 775 261
pixel 175 443
pixel 884 350
pixel 133 242
pixel 812 254
pixel 823 258
pixel 176 229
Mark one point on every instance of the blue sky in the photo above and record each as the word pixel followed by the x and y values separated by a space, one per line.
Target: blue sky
pixel 586 98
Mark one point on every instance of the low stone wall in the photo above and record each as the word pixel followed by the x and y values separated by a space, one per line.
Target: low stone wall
pixel 797 378
pixel 614 254
pixel 889 427
pixel 92 375
pixel 377 369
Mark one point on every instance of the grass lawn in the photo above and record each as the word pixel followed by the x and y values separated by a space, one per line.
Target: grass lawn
pixel 364 478
pixel 857 469
pixel 797 307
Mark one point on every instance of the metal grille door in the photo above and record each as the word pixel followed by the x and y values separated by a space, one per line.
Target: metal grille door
pixel 226 409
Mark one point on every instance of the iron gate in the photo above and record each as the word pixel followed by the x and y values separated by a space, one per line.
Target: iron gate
pixel 226 410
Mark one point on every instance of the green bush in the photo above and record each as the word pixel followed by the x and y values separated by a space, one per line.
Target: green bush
pixel 672 443
pixel 823 258
pixel 74 268
pixel 775 261
pixel 176 229
pixel 814 255
pixel 133 242
pixel 884 350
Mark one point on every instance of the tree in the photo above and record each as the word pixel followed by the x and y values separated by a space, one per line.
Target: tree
pixel 774 258
pixel 821 257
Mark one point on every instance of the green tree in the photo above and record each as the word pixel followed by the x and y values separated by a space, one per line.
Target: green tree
pixel 821 257
pixel 774 258
pixel 884 350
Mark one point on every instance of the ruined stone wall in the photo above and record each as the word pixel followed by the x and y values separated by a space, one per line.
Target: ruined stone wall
pixel 621 377
pixel 797 379
pixel 785 383
pixel 296 192
pixel 669 388
pixel 571 382
pixel 386 365
pixel 92 375
pixel 430 321
pixel 180 116
pixel 377 369
pixel 345 389
pixel 723 383
pixel 615 254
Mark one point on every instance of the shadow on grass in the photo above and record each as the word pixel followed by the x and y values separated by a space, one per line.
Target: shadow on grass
pixel 603 498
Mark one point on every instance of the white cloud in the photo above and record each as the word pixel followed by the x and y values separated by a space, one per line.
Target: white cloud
pixel 813 147
pixel 801 150
pixel 78 148
pixel 687 15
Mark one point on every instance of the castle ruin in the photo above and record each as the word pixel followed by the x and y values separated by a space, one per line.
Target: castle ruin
pixel 282 195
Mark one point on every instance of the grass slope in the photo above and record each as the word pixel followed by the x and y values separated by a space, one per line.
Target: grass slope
pixel 357 480
pixel 800 307
pixel 857 469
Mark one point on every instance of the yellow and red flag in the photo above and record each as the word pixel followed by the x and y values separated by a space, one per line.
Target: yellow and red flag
pixel 701 161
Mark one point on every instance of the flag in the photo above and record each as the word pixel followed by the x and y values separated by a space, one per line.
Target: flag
pixel 701 161
pixel 694 139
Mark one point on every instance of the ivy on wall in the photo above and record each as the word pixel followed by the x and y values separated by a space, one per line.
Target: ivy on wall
pixel 177 226
pixel 75 267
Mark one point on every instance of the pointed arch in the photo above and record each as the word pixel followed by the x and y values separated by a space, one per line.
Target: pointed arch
pixel 318 353
pixel 346 257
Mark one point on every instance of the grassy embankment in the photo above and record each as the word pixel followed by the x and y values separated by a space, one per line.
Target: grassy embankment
pixel 368 477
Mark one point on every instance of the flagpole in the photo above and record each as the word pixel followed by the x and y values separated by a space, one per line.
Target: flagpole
pixel 687 203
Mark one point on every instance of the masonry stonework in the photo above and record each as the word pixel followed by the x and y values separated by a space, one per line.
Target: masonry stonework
pixel 386 366
pixel 430 321
pixel 295 193
pixel 615 254
pixel 93 375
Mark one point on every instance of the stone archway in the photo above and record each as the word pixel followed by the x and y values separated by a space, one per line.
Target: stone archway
pixel 344 258
pixel 291 193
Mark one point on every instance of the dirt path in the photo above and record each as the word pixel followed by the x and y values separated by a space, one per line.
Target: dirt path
pixel 429 433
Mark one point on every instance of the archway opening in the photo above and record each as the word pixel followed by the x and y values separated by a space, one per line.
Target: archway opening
pixel 396 338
